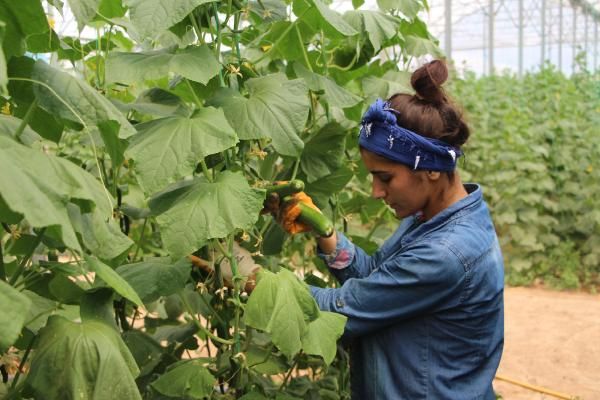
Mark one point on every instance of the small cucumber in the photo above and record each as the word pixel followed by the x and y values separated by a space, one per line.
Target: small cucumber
pixel 317 221
pixel 286 189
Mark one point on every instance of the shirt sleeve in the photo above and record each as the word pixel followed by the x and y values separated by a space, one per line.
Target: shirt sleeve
pixel 415 282
pixel 348 260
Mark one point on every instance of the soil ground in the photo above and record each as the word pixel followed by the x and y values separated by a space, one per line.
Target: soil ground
pixel 552 340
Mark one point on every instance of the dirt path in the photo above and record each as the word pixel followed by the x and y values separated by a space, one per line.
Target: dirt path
pixel 552 339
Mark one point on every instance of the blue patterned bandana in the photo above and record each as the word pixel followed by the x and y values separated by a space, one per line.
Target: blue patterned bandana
pixel 380 134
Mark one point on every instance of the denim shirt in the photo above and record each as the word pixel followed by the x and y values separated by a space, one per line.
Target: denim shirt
pixel 425 312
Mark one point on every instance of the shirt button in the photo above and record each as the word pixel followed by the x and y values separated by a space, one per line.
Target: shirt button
pixel 339 303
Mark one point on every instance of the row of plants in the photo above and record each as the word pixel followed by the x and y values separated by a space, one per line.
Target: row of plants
pixel 536 152
pixel 133 168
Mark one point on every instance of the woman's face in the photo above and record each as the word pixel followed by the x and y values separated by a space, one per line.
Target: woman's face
pixel 404 190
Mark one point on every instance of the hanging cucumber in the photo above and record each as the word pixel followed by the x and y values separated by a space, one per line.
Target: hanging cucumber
pixel 286 189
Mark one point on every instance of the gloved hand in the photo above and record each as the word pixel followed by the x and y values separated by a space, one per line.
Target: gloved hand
pixel 290 211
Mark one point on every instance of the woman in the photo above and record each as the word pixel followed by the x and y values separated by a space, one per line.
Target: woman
pixel 425 312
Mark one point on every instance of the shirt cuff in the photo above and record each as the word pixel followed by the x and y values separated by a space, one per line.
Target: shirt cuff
pixel 342 256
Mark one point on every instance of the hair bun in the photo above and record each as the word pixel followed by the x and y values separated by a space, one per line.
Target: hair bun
pixel 427 82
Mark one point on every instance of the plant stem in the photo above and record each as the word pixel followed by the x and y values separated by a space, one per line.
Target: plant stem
pixel 25 119
pixel 295 170
pixel 2 271
pixel 236 293
pixel 25 260
pixel 196 27
pixel 287 377
pixel 196 99
pixel 22 363
pixel 205 171
pixel 304 53
pixel 208 333
pixel 139 242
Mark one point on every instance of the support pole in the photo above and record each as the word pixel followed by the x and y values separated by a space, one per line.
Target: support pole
pixel 448 23
pixel 574 42
pixel 595 44
pixel 585 36
pixel 491 38
pixel 543 17
pixel 521 28
pixel 560 34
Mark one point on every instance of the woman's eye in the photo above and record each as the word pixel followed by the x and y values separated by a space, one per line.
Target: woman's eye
pixel 385 178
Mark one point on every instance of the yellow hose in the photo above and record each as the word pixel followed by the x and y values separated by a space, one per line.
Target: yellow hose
pixel 536 388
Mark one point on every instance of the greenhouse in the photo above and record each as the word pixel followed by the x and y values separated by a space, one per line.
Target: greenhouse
pixel 299 199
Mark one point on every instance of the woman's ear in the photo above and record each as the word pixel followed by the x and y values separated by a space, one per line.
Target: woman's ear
pixel 433 175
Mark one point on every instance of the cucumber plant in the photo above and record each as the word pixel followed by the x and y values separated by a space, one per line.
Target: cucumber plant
pixel 123 156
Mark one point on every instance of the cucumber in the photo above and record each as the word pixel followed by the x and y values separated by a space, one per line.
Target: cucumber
pixel 317 221
pixel 286 189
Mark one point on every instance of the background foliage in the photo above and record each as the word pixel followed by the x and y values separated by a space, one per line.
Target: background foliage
pixel 535 151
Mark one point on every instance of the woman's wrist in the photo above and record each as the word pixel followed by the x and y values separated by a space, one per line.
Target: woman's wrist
pixel 328 244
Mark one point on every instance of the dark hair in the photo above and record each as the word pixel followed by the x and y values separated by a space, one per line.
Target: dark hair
pixel 429 112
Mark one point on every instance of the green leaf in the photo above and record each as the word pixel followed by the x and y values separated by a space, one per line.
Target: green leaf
pixel 196 211
pixel 99 233
pixel 277 108
pixel 418 46
pixel 410 8
pixel 15 307
pixel 83 10
pixel 336 95
pixel 9 126
pixel 89 106
pixel 152 279
pixel 115 147
pixel 378 26
pixel 146 351
pixel 113 280
pixel 196 63
pixel 322 335
pixel 281 305
pixel 97 304
pixel 324 152
pixel 168 149
pixel 40 186
pixel 321 189
pixel 84 361
pixel 390 83
pixel 188 379
pixel 151 17
pixel 319 16
pixel 159 102
pixel 23 19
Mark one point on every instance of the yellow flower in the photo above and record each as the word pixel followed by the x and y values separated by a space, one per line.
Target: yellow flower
pixel 51 21
pixel 5 109
pixel 589 169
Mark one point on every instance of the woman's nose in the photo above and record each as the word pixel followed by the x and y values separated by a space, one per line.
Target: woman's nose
pixel 377 191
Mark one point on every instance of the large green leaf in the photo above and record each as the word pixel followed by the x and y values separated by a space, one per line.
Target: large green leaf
pixel 23 19
pixel 322 335
pixel 15 307
pixel 319 16
pixel 321 189
pixel 281 305
pixel 9 126
pixel 188 379
pixel 114 280
pixel 99 233
pixel 418 46
pixel 151 17
pixel 336 95
pixel 40 186
pixel 83 10
pixel 378 26
pixel 390 83
pixel 170 148
pixel 323 153
pixel 86 361
pixel 196 63
pixel 155 278
pixel 196 211
pixel 277 108
pixel 88 105
pixel 410 8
